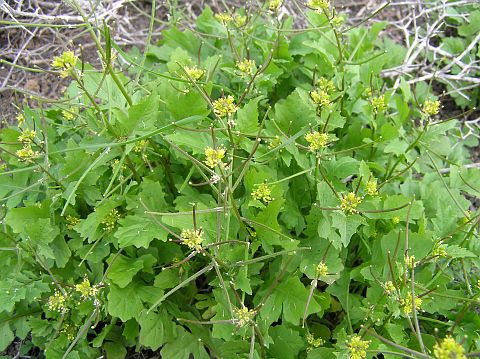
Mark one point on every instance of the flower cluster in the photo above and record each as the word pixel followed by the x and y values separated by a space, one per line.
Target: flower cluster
pixel 72 221
pixel 262 193
pixel 410 261
pixel 316 140
pixel 371 186
pixel 65 62
pixel 116 164
pixel 275 142
pixel 350 202
pixel 326 85
pixel 314 342
pixel 139 146
pixel 27 136
pixel 430 107
pixel 70 331
pixel 274 4
pixel 243 315
pixel 224 106
pixel 214 156
pixel 358 347
pixel 448 348
pixel 239 20
pixel 389 288
pixel 110 220
pixel 192 238
pixel 396 220
pixel 439 250
pixel 86 290
pixel 68 115
pixel 20 119
pixel 322 270
pixel 379 104
pixel 320 97
pixel 407 303
pixel 57 302
pixel 224 18
pixel 193 72
pixel 27 153
pixel 246 66
pixel 319 5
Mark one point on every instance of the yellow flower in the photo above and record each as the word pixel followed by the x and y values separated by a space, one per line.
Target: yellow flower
pixel 379 104
pixel 262 193
pixel 57 302
pixel 410 261
pixel 224 106
pixel 139 146
pixel 194 73
pixel 358 347
pixel 68 115
pixel 314 342
pixel 243 315
pixel 72 221
pixel 439 250
pixel 395 220
pixel 371 187
pixel 214 156
pixel 322 270
pixel 389 288
pixel 275 142
pixel 318 5
pixel 224 18
pixel 407 303
pixel 110 220
pixel 20 119
pixel 320 97
pixel 246 66
pixel 430 107
pixel 326 85
pixel 27 136
pixel 26 153
pixel 239 20
pixel 85 289
pixel 448 349
pixel 337 21
pixel 65 62
pixel 274 4
pixel 191 238
pixel 350 202
pixel 70 331
pixel 316 140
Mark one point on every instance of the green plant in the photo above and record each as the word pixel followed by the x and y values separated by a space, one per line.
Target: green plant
pixel 247 190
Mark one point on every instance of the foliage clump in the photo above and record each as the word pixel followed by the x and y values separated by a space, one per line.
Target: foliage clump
pixel 243 189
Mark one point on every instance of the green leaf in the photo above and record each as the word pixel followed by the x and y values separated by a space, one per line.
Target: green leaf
pixel 184 345
pixel 290 297
pixel 138 230
pixel 156 329
pixel 192 141
pixel 247 117
pixel 459 252
pixel 41 233
pixel 295 112
pixel 123 269
pixel 115 350
pixel 347 226
pixel 88 228
pixel 21 218
pixel 125 303
pixel 287 342
pixel 141 117
pixel 6 335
